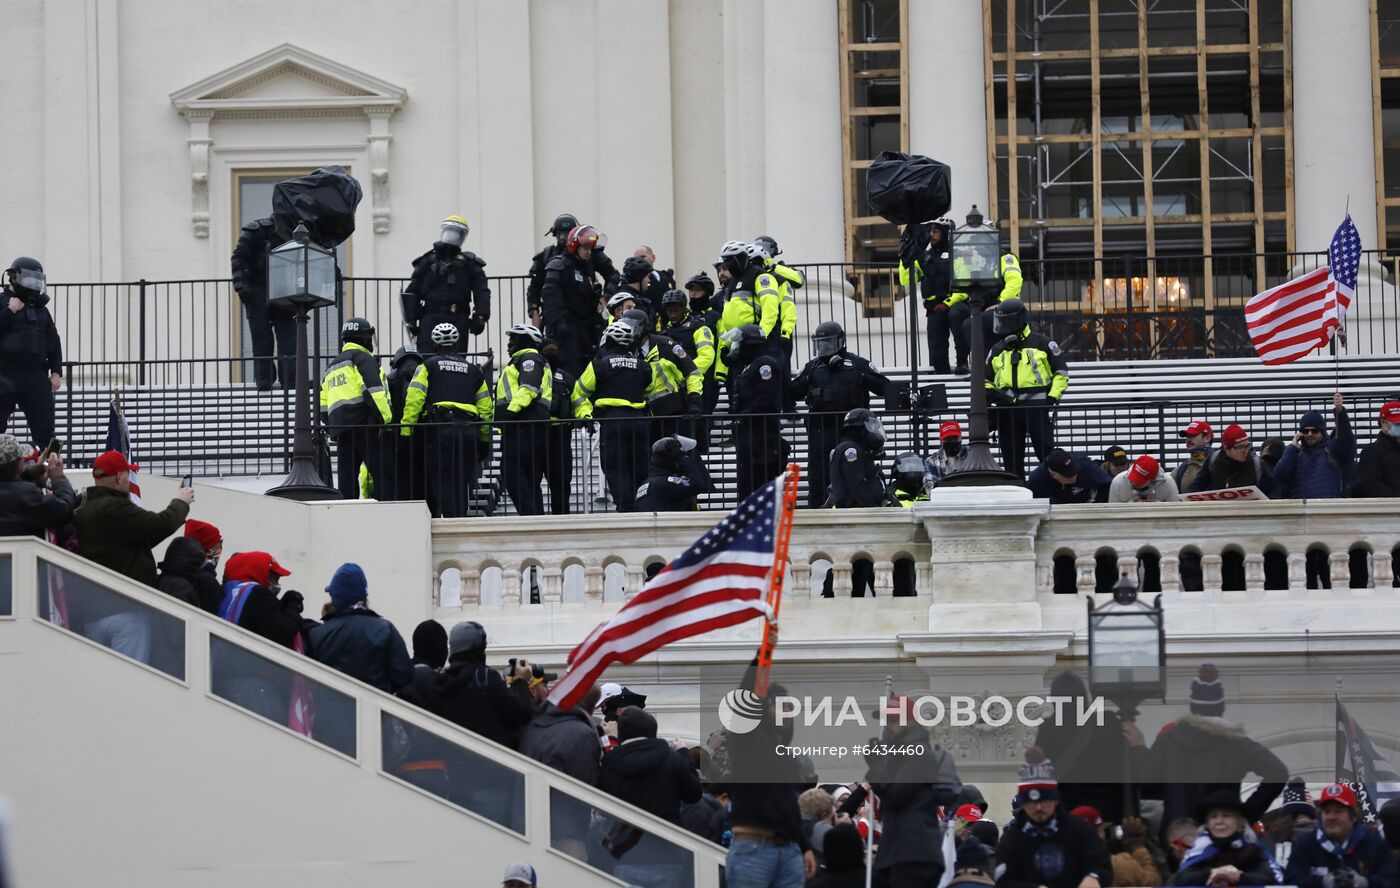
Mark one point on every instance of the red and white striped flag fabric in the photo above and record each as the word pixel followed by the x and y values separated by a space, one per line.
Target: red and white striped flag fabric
pixel 1289 321
pixel 721 580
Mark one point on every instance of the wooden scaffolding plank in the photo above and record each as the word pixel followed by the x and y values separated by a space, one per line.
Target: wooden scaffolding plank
pixel 1257 146
pixel 1149 211
pixel 847 133
pixel 988 85
pixel 1377 128
pixel 1096 126
pixel 1203 110
pixel 1013 184
pixel 1289 224
pixel 904 76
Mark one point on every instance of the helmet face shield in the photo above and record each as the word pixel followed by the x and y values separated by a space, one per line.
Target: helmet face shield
pixel 30 280
pixel 826 346
pixel 909 464
pixel 874 428
pixel 453 235
pixel 1009 321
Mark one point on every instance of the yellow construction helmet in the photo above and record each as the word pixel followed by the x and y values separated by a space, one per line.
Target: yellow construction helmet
pixel 454 230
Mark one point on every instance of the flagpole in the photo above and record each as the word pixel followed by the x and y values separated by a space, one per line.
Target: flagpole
pixel 775 579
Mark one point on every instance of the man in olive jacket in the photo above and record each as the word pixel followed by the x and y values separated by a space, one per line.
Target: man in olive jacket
pixel 115 532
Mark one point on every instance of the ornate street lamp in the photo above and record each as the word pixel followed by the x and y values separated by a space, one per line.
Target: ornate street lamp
pixel 301 276
pixel 976 248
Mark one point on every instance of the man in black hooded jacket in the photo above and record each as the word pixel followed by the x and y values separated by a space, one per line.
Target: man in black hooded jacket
pixel 471 694
pixel 183 575
pixel 646 771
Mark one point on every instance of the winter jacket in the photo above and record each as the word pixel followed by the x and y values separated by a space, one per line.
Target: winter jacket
pixel 474 696
pixel 182 576
pixel 1058 855
pixel 566 741
pixel 1322 470
pixel 1242 852
pixel 25 510
pixel 910 789
pixel 276 619
pixel 1217 755
pixel 1088 759
pixel 763 785
pixel 1090 485
pixel 118 534
pixel 1380 467
pixel 1161 489
pixel 28 338
pixel 1186 473
pixel 1135 867
pixel 700 817
pixel 1221 473
pixel 1365 852
pixel 648 773
pixel 363 645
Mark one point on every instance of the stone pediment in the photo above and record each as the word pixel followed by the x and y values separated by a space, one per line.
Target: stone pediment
pixel 286 79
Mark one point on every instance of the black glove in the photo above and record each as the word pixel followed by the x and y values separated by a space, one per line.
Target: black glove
pixel 695 403
pixel 292 602
pixel 412 330
pixel 476 325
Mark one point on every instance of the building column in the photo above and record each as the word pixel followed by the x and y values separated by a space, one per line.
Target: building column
pixel 1332 96
pixel 948 96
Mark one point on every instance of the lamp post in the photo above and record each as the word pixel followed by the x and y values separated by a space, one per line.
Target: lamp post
pixel 976 249
pixel 1127 657
pixel 301 276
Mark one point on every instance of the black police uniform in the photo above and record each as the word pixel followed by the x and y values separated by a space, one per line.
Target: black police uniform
pixel 625 440
pixel 856 482
pixel 30 350
pixel 571 316
pixel 559 446
pixel 757 388
pixel 249 266
pixel 523 433
pixel 534 290
pixel 832 386
pixel 410 455
pixel 448 287
pixel 453 435
pixel 684 334
pixel 672 489
pixel 943 319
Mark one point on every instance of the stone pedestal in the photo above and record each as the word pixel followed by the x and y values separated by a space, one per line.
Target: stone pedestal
pixel 982 563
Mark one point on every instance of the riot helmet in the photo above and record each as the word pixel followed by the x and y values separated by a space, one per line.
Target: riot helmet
pixel 668 453
pixel 909 471
pixel 563 224
pixel 865 427
pixel 27 277
pixel 1010 317
pixel 454 231
pixel 745 341
pixel 358 331
pixel 828 339
pixel 635 269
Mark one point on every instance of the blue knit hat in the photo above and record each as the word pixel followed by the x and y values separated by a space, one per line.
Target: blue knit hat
pixel 348 586
pixel 1207 693
pixel 1296 800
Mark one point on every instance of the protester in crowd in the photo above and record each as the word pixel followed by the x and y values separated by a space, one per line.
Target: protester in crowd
pixel 1389 816
pixel 950 455
pixel 1044 845
pixel 566 741
pixel 209 539
pixel 648 772
pixel 1127 846
pixel 818 817
pixel 1089 758
pixel 1271 451
pixel 1064 478
pixel 1200 438
pixel 1144 482
pixel 1235 464
pixel 252 583
pixel 183 575
pixel 974 865
pixel 115 532
pixel 471 694
pixel 357 641
pixel 1181 835
pixel 1380 460
pixel 1286 824
pixel 519 875
pixel 25 508
pixel 1226 852
pixel 1342 850
pixel 843 853
pixel 1318 465
pixel 1115 460
pixel 1201 753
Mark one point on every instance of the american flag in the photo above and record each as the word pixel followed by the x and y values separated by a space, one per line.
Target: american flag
pixel 719 581
pixel 1289 321
pixel 1361 768
pixel 119 439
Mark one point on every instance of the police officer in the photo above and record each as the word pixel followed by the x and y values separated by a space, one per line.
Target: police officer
pixel 452 395
pixel 249 266
pixel 698 340
pixel 857 482
pixel 1026 377
pixel 622 300
pixel 523 395
pixel 638 278
pixel 448 286
pixel 947 312
pixel 756 399
pixel 700 291
pixel 789 279
pixel 31 354
pixel 907 489
pixel 833 383
pixel 355 405
pixel 559 446
pixel 752 296
pixel 677 476
pixel 613 388
pixel 679 384
pixel 534 291
pixel 570 298
pixel 409 453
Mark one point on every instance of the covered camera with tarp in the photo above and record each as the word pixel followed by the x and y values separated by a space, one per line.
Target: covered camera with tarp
pixel 909 190
pixel 323 201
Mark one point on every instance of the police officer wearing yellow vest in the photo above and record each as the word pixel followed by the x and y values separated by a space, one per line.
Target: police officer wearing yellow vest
pixel 679 385
pixel 789 279
pixel 753 297
pixel 614 387
pixel 448 286
pixel 947 311
pixel 523 395
pixel 452 396
pixel 1026 377
pixel 694 335
pixel 355 406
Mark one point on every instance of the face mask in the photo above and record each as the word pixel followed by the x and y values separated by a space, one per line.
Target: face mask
pixel 952 446
pixel 1394 430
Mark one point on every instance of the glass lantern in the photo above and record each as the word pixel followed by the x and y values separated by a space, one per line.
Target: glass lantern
pixel 301 273
pixel 976 251
pixel 1127 647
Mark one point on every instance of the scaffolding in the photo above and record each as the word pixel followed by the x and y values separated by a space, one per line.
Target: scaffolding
pixel 1385 110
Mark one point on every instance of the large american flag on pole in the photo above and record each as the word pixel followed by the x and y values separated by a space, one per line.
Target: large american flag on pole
pixel 1361 767
pixel 719 581
pixel 1291 320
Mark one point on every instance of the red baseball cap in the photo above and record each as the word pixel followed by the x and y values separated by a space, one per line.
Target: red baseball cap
pixel 1089 813
pixel 968 813
pixel 1390 411
pixel 206 534
pixel 1144 471
pixel 1196 427
pixel 253 567
pixel 951 429
pixel 1339 794
pixel 1233 435
pixel 112 462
